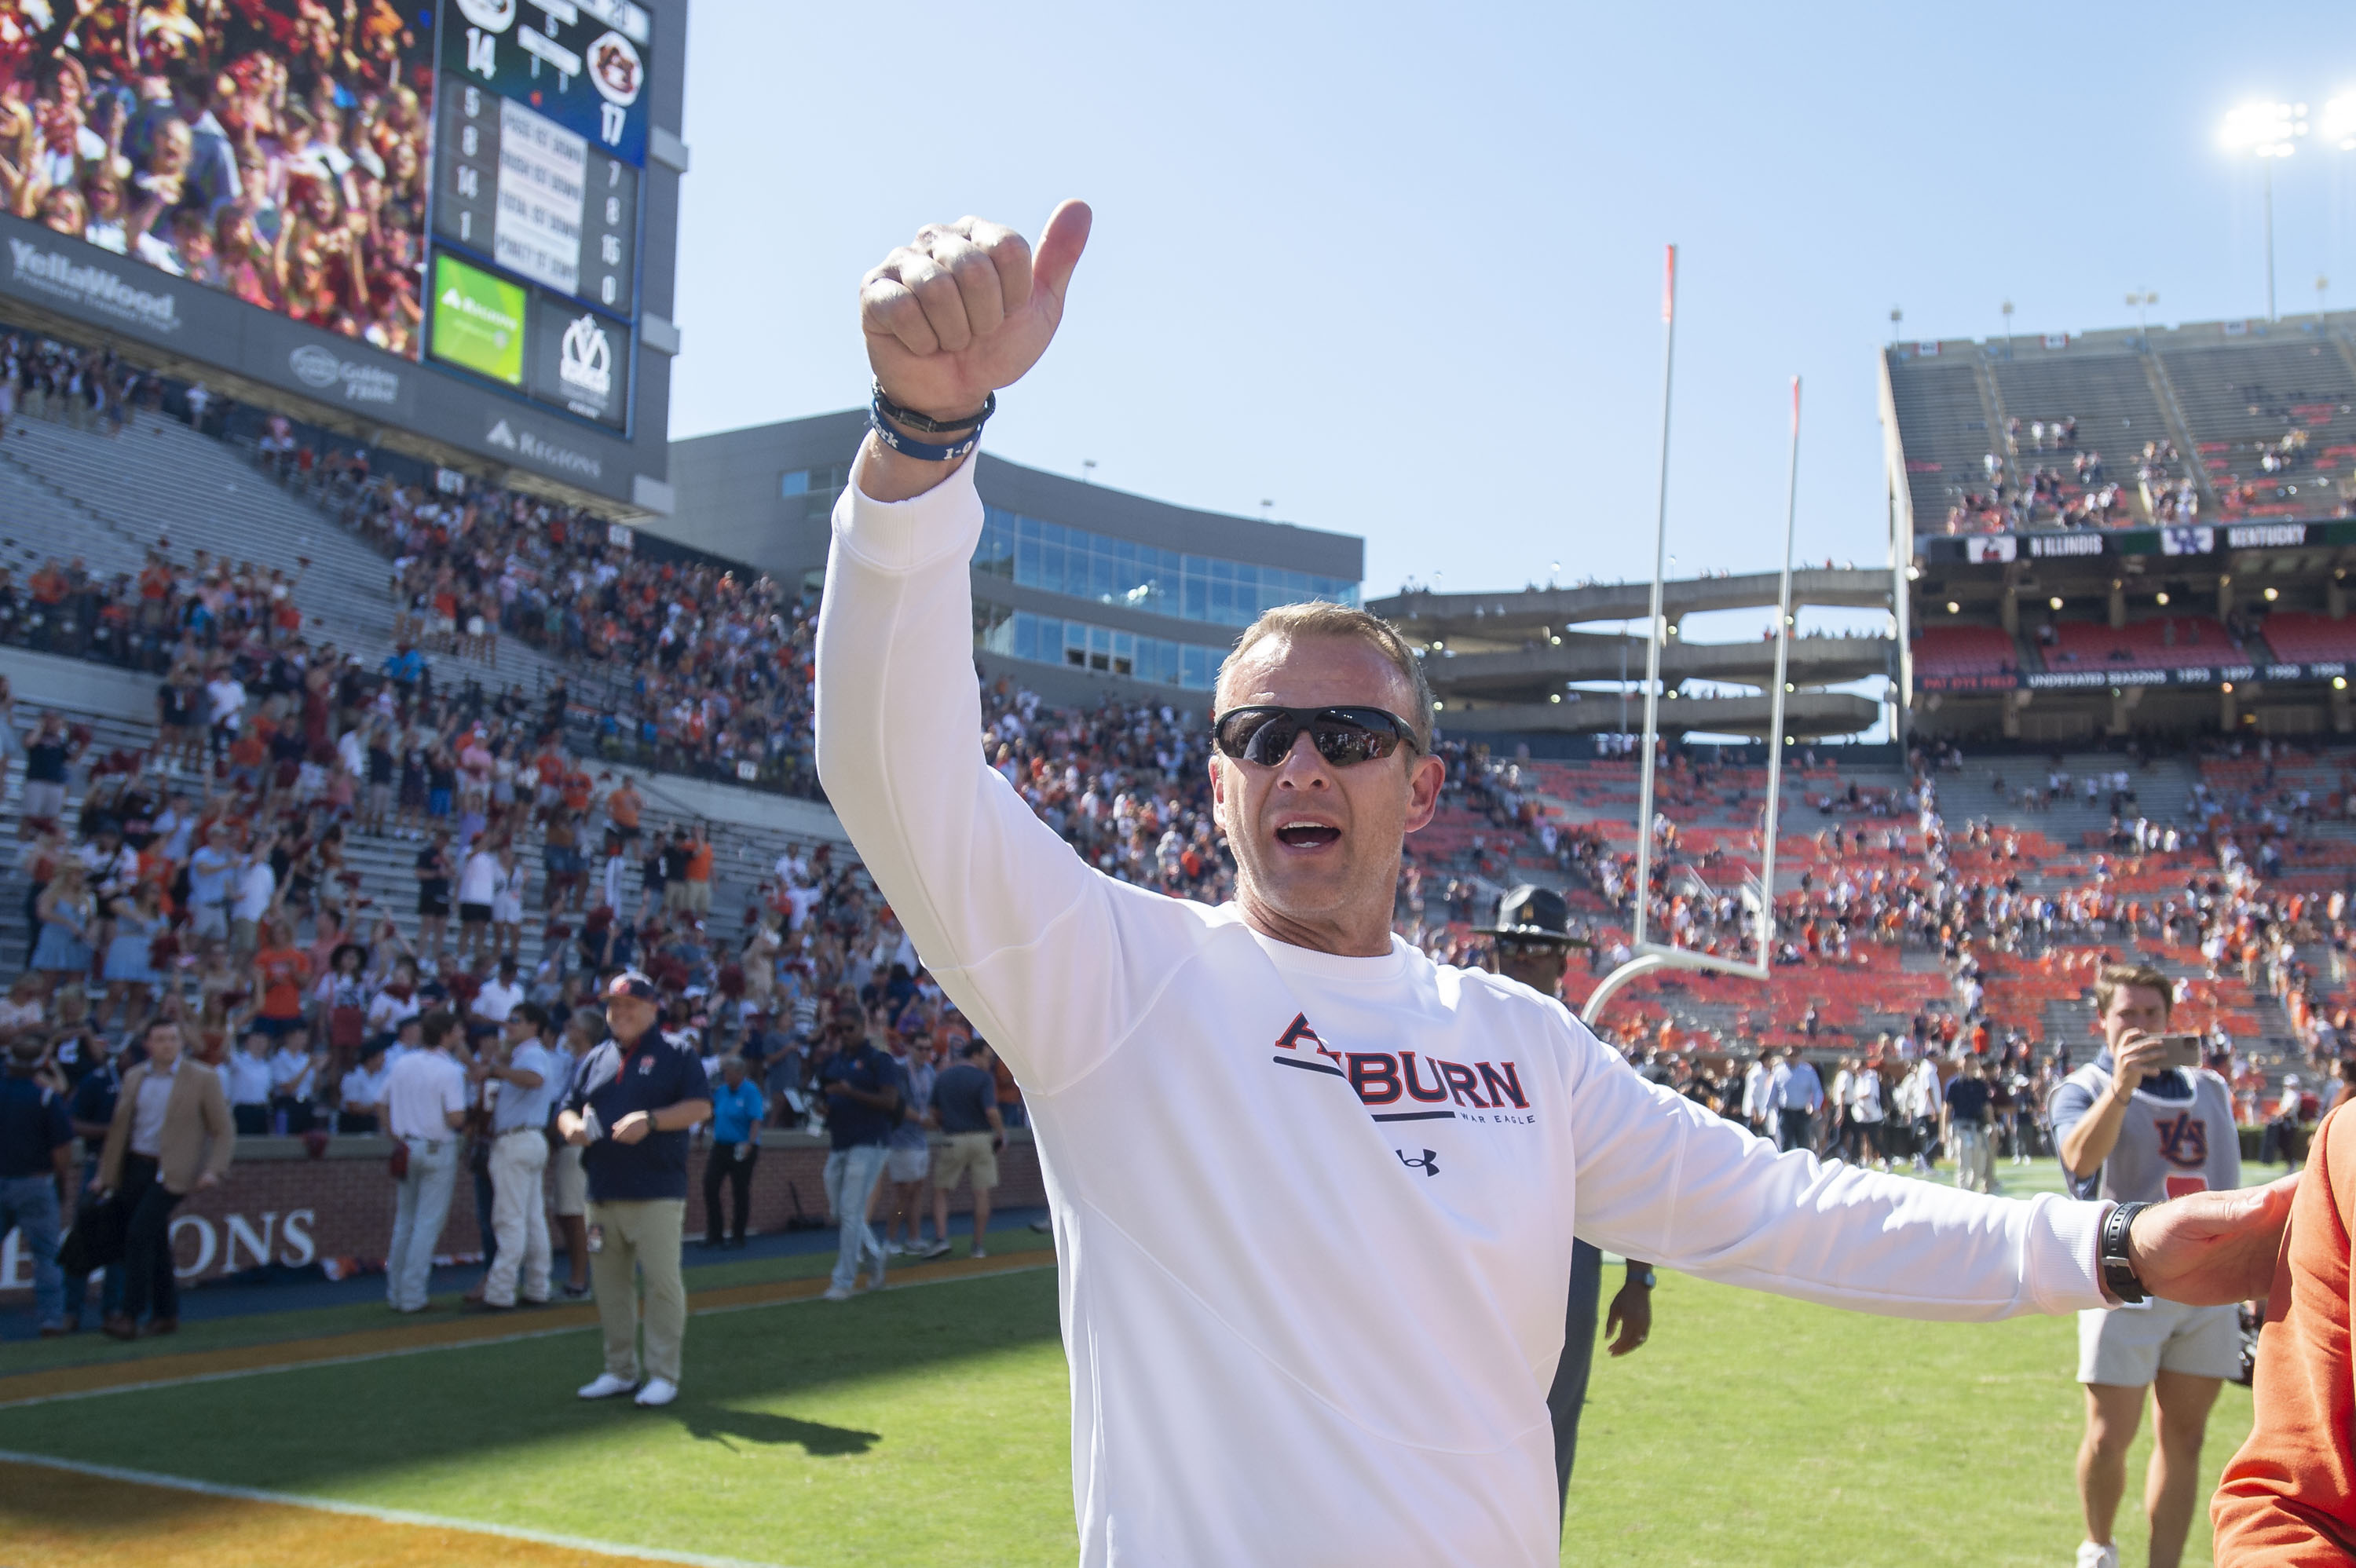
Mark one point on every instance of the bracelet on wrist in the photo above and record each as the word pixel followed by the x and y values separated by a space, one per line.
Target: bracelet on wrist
pixel 918 451
pixel 924 423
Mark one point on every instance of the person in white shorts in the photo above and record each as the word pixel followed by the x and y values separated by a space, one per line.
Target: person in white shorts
pixel 2132 1131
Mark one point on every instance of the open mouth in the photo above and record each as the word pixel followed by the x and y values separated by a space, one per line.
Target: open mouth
pixel 1307 835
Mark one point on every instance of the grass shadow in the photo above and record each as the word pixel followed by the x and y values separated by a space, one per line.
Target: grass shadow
pixel 718 1424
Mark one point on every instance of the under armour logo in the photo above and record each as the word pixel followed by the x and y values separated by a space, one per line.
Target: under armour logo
pixel 1429 1164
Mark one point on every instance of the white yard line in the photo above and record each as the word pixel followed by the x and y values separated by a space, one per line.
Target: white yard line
pixel 383 1515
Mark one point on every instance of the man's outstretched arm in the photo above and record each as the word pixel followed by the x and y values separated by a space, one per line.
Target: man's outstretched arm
pixel 1015 927
pixel 1660 1178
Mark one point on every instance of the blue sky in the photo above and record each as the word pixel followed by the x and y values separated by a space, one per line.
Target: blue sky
pixel 1397 270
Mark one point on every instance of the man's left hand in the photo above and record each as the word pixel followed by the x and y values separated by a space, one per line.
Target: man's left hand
pixel 1630 1321
pixel 2212 1248
pixel 634 1128
pixel 207 1178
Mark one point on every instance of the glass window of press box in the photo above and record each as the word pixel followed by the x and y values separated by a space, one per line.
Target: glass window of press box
pixel 1060 559
pixel 1046 639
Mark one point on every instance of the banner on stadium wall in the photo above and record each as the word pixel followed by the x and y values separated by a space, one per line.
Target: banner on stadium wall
pixel 2191 675
pixel 2182 540
pixel 1988 681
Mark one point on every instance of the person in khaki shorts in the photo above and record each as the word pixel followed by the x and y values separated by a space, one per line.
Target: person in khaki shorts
pixel 965 1107
pixel 628 1112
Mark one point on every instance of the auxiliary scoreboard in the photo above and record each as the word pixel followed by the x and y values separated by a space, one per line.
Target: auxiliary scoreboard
pixel 539 149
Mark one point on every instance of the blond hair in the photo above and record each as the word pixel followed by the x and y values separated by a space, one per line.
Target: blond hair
pixel 1317 618
pixel 2117 977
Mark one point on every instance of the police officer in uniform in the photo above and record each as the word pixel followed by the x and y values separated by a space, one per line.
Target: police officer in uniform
pixel 1531 940
pixel 630 1105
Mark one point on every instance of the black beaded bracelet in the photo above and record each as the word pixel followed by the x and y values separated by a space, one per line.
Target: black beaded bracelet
pixel 925 422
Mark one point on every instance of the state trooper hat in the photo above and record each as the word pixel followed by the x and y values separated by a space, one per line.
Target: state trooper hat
pixel 1534 914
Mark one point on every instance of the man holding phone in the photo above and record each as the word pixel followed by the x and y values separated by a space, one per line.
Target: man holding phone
pixel 2143 1122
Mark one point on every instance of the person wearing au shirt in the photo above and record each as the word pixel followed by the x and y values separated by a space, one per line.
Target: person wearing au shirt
pixel 2129 1130
pixel 529 1082
pixel 632 1101
pixel 738 1112
pixel 862 1088
pixel 35 1163
pixel 171 1135
pixel 425 1107
pixel 1269 1327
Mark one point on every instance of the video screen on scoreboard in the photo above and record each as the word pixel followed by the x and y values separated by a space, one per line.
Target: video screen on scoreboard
pixel 276 150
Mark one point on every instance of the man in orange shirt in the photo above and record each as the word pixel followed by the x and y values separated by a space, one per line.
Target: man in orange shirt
pixel 622 809
pixel 2289 1496
pixel 697 898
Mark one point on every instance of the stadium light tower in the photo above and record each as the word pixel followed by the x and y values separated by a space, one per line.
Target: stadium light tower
pixel 2336 123
pixel 2142 299
pixel 2266 131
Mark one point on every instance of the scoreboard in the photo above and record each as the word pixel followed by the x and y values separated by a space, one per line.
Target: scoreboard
pixel 540 151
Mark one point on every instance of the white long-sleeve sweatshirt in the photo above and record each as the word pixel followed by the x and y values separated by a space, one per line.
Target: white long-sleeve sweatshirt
pixel 1314 1213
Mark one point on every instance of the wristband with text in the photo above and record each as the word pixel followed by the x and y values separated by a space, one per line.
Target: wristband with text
pixel 2118 1272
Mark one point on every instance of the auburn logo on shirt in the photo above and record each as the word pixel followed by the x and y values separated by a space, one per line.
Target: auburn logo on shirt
pixel 1381 1078
pixel 2184 1140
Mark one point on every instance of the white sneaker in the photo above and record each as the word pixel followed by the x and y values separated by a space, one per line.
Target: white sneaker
pixel 836 1292
pixel 606 1386
pixel 892 1249
pixel 2092 1556
pixel 658 1390
pixel 981 1251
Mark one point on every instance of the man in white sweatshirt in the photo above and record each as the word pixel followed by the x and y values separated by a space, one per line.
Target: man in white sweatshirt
pixel 1313 1194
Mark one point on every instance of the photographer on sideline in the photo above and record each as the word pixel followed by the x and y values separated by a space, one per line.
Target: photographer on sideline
pixel 2132 1130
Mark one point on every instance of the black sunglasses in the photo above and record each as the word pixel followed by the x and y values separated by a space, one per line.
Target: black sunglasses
pixel 1342 736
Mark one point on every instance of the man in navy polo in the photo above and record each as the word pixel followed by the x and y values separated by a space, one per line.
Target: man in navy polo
pixel 862 1084
pixel 631 1103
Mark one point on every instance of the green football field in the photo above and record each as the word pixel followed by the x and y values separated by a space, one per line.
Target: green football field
pixel 927 1425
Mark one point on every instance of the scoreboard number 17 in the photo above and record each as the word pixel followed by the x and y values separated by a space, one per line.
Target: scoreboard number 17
pixel 610 121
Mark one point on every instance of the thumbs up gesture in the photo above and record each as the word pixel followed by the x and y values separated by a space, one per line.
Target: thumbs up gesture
pixel 966 308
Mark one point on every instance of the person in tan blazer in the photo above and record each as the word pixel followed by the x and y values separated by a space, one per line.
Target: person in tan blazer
pixel 171 1135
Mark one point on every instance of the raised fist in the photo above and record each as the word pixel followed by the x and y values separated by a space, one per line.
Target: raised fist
pixel 966 308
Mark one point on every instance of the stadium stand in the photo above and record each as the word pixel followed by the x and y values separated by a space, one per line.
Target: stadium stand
pixel 1965 650
pixel 2168 642
pixel 2299 636
pixel 2266 413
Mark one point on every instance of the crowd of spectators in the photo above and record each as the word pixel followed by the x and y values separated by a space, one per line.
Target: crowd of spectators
pixel 275 151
